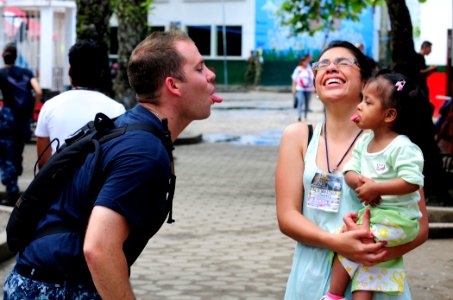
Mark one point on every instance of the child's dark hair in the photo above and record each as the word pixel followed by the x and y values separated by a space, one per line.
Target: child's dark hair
pixel 406 98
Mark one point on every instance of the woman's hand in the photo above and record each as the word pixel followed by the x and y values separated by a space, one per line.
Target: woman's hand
pixel 356 241
pixel 398 251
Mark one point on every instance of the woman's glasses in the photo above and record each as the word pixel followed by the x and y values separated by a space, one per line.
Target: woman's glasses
pixel 339 62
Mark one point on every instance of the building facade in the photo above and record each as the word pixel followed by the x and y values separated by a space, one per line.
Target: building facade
pixel 225 31
pixel 43 31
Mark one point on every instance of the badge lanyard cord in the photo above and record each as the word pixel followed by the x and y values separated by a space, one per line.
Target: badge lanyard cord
pixel 344 155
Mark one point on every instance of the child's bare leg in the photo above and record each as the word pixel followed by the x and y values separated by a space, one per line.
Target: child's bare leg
pixel 340 278
pixel 362 295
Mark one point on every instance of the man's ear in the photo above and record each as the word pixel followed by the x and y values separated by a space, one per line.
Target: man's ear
pixel 172 86
pixel 390 115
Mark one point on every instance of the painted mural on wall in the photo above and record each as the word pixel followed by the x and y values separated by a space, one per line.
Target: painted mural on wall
pixel 277 43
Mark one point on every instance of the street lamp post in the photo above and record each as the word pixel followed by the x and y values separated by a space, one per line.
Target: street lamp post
pixel 225 65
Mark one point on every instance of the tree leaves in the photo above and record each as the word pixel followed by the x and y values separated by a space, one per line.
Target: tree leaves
pixel 310 16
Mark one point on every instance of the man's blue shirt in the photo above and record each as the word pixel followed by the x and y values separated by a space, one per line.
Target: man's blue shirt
pixel 136 167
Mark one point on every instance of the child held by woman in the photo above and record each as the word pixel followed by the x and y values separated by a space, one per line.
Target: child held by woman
pixel 386 173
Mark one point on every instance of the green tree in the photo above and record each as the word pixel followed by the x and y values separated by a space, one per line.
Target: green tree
pixel 132 29
pixel 310 16
pixel 93 23
pixel 93 20
pixel 401 38
pixel 316 15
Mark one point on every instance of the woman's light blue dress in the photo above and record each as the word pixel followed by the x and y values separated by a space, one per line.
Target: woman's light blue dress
pixel 309 278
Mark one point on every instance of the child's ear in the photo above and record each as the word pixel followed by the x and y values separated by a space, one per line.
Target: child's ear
pixel 390 115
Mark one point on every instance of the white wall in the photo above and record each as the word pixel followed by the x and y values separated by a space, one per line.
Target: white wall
pixel 435 18
pixel 208 12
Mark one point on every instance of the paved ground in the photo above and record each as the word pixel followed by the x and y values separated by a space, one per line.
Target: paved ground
pixel 225 243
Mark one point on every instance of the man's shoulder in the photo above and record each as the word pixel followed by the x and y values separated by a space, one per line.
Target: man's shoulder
pixel 55 100
pixel 4 72
pixel 140 116
pixel 20 71
pixel 78 95
pixel 420 58
pixel 100 97
pixel 140 147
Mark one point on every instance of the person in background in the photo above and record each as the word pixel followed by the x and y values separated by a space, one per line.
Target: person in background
pixel 436 179
pixel 258 63
pixel 63 114
pixel 249 75
pixel 302 85
pixel 93 261
pixel 312 197
pixel 425 71
pixel 21 94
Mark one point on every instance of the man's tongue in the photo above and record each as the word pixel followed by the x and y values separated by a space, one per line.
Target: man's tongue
pixel 216 99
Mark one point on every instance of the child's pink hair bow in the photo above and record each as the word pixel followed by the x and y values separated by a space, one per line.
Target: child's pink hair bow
pixel 399 85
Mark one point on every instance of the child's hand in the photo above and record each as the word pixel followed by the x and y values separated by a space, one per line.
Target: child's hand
pixel 350 222
pixel 367 192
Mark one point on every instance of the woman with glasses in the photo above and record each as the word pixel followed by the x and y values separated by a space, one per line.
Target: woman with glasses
pixel 313 199
pixel 302 85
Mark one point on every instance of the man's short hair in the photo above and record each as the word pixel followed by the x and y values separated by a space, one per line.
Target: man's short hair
pixel 426 44
pixel 87 59
pixel 153 60
pixel 9 54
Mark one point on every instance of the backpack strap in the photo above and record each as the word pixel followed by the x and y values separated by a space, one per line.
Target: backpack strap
pixel 165 136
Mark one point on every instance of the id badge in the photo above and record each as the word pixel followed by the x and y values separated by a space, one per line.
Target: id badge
pixel 325 192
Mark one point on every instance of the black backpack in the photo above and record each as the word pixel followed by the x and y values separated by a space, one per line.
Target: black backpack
pixel 48 183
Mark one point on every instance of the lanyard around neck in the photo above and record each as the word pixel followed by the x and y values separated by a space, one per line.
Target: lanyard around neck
pixel 344 155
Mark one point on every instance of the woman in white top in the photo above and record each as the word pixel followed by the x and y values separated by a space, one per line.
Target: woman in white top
pixel 302 85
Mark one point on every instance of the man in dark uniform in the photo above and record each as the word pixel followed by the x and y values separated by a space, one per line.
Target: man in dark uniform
pixel 17 86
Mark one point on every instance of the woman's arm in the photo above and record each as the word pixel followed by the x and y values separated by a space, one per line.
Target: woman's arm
pixel 289 186
pixel 398 251
pixel 289 192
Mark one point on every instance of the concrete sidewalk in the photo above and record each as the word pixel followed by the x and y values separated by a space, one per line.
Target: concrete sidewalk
pixel 225 243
